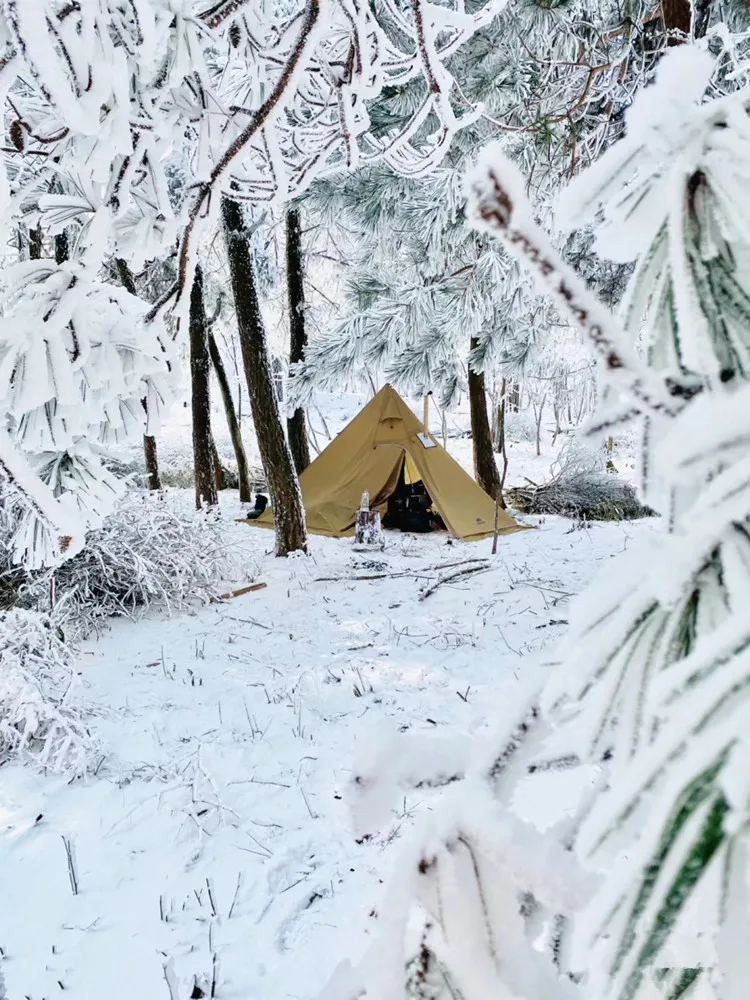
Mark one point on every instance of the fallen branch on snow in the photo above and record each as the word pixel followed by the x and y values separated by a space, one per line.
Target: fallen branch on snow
pixel 479 567
pixel 417 572
pixel 238 593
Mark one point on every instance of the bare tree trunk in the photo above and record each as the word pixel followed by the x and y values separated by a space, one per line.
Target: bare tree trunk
pixel 514 396
pixel 200 399
pixel 219 474
pixel 243 471
pixel 485 469
pixel 35 243
pixel 296 425
pixel 286 499
pixel 152 462
pixel 62 248
pixel 538 412
pixel 677 15
pixel 149 441
pixel 502 446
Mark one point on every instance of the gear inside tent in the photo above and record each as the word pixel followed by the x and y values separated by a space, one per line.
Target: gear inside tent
pixel 412 481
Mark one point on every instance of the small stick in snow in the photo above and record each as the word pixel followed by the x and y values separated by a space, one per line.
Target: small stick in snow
pixel 240 879
pixel 214 974
pixel 71 856
pixel 239 593
pixel 211 897
pixel 420 571
pixel 450 577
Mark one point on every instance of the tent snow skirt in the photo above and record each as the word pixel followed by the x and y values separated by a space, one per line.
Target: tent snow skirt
pixel 369 454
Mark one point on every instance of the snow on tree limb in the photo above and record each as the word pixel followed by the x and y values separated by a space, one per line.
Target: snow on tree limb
pixel 499 206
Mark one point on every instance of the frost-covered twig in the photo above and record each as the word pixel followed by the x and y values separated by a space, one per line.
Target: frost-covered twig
pixel 72 867
pixel 500 207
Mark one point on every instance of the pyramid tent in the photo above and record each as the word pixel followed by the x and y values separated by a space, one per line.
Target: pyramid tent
pixel 369 455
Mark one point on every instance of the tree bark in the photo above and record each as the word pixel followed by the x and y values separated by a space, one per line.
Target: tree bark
pixel 296 424
pixel 62 247
pixel 220 478
pixel 152 462
pixel 677 16
pixel 35 243
pixel 150 455
pixel 233 423
pixel 200 398
pixel 485 469
pixel 286 499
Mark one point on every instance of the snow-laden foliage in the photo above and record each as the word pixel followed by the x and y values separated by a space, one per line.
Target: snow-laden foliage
pixel 148 553
pixel 428 296
pixel 126 122
pixel 41 722
pixel 79 371
pixel 648 702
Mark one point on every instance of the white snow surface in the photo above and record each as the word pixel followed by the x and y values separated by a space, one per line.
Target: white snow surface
pixel 222 819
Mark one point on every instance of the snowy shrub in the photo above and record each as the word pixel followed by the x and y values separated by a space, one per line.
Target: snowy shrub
pixel 146 553
pixel 580 487
pixel 39 720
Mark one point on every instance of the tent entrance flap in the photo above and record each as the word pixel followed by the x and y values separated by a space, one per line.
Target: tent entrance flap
pixel 382 447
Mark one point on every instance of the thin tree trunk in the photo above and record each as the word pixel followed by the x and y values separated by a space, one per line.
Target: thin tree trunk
pixel 62 248
pixel 152 463
pixel 150 455
pixel 501 440
pixel 220 477
pixel 538 415
pixel 35 243
pixel 485 468
pixel 677 15
pixel 200 373
pixel 296 425
pixel 243 471
pixel 514 396
pixel 283 485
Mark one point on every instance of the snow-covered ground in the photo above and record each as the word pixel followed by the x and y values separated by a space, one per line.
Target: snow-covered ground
pixel 219 837
pixel 219 823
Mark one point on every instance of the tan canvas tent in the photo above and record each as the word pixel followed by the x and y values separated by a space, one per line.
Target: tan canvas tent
pixel 370 454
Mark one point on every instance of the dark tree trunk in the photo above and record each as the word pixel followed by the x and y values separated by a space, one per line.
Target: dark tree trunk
pixel 485 469
pixel 677 16
pixel 219 473
pixel 35 243
pixel 149 441
pixel 200 374
pixel 152 463
pixel 243 473
pixel 296 425
pixel 62 248
pixel 286 500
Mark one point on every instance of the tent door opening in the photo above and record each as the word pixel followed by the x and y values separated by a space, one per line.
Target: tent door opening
pixel 410 506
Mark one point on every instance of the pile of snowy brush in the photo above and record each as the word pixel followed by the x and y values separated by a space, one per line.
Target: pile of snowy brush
pixel 146 554
pixel 580 487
